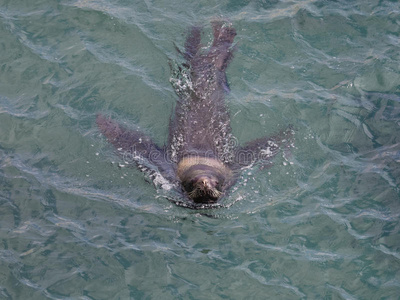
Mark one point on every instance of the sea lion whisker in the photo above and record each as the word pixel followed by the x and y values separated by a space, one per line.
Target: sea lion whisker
pixel 214 193
pixel 194 193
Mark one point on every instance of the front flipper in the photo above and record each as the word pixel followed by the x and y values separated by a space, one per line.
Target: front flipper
pixel 262 150
pixel 134 146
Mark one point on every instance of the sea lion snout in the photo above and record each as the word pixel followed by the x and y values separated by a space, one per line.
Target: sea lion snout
pixel 207 183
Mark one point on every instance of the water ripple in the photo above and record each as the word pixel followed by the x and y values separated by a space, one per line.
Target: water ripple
pixel 342 292
pixel 22 108
pixel 131 68
pixel 273 282
pixel 11 19
pixel 76 187
pixel 302 253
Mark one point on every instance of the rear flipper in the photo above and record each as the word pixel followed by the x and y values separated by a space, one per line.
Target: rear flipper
pixel 262 150
pixel 221 49
pixel 134 146
pixel 193 43
pixel 205 69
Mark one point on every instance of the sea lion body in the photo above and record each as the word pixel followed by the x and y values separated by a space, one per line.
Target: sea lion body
pixel 202 124
pixel 200 133
pixel 201 154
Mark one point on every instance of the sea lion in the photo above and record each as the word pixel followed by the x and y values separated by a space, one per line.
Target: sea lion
pixel 201 154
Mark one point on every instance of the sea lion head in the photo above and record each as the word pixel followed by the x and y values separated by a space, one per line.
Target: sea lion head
pixel 203 179
pixel 203 188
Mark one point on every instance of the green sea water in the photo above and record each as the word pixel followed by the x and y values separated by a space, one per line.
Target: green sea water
pixel 320 223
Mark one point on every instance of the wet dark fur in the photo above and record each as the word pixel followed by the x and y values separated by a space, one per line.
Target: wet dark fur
pixel 201 118
pixel 200 127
